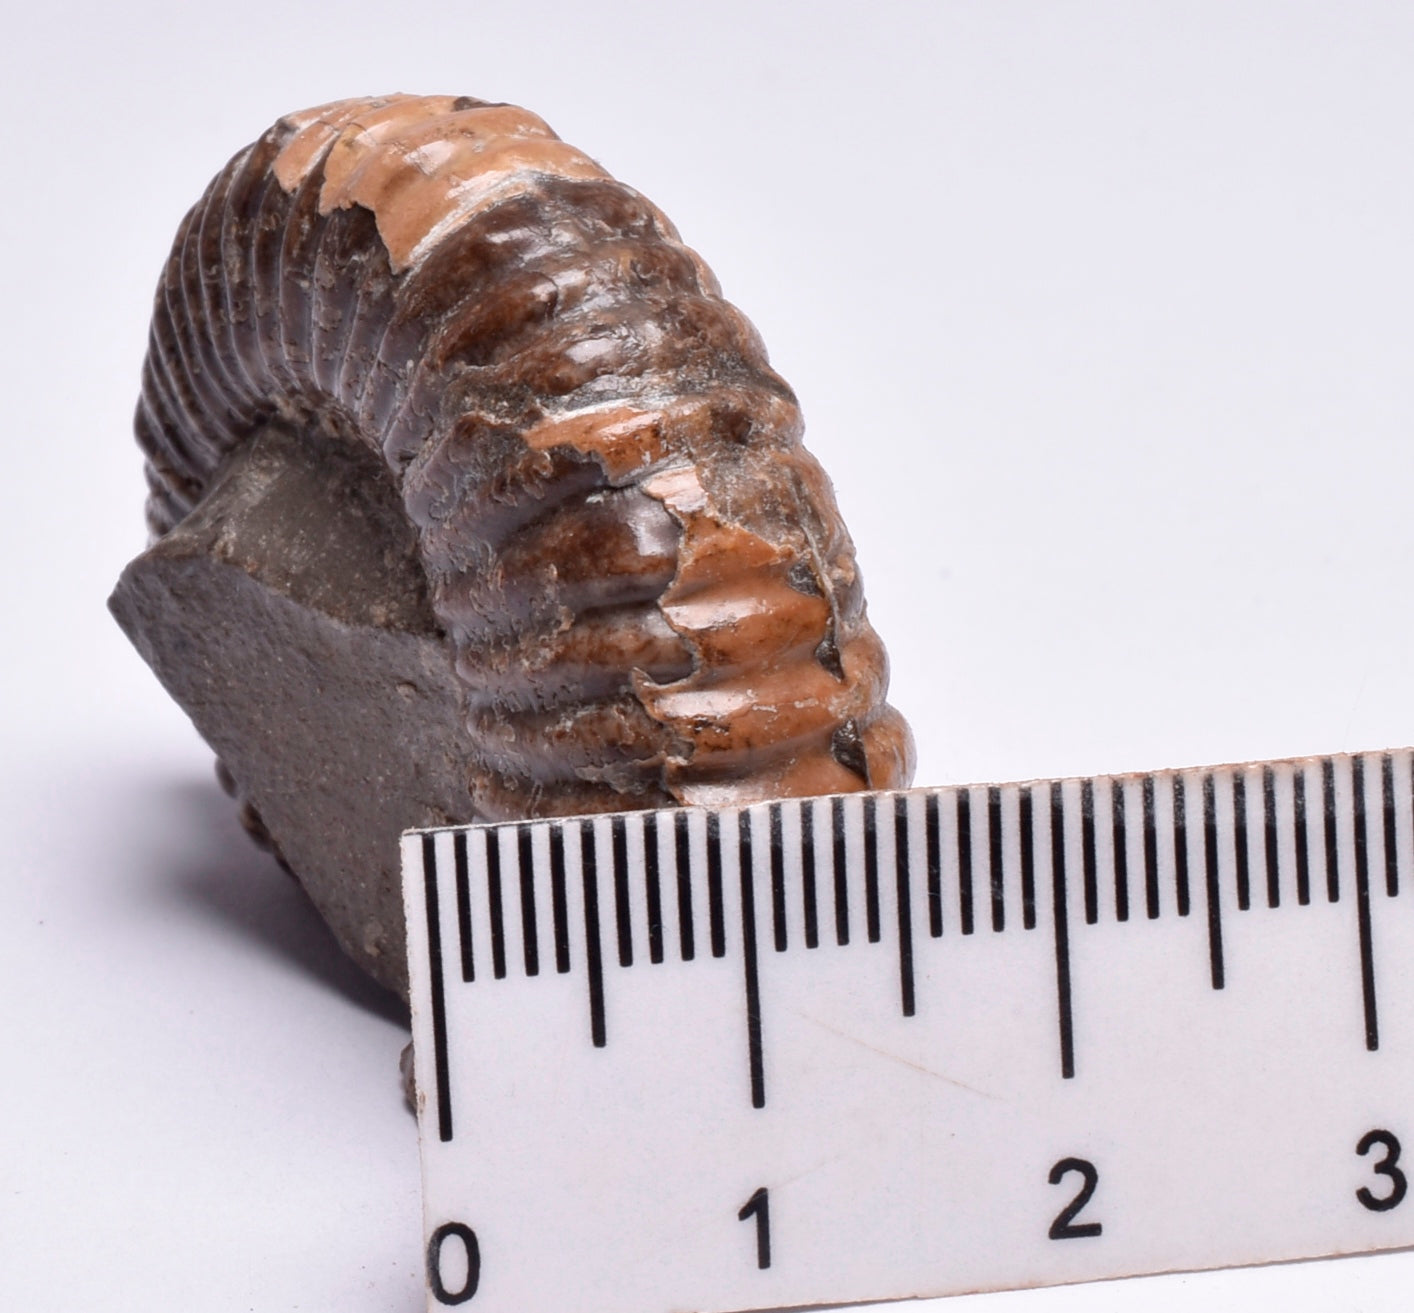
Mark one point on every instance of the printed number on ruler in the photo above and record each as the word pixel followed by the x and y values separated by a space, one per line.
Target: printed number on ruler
pixel 884 1045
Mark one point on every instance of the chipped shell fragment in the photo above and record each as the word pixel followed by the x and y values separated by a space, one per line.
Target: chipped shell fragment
pixel 471 498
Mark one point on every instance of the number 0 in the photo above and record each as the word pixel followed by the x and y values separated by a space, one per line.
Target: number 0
pixel 472 1251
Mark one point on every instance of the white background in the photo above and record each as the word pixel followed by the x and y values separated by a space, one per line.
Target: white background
pixel 1102 316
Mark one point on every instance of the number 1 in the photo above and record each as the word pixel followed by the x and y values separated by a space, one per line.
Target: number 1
pixel 759 1207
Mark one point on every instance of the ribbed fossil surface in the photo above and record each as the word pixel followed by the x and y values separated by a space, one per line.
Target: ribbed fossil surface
pixel 640 575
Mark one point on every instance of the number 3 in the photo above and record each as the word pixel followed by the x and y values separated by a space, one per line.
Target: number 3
pixel 1385 1167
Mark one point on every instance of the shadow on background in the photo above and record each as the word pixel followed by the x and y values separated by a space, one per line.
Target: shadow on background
pixel 209 867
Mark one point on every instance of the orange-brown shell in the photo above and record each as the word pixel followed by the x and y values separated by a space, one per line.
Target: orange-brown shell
pixel 643 575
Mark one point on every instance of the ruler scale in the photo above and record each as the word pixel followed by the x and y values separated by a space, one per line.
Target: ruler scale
pixel 889 1045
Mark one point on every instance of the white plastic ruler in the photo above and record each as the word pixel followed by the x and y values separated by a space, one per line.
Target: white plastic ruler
pixel 919 1043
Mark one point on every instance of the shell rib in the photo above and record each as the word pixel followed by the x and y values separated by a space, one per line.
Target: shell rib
pixel 643 576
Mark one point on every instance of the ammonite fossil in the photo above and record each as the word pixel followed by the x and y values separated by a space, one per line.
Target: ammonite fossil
pixel 472 498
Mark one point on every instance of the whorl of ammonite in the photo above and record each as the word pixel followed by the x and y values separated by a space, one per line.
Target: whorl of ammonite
pixel 642 574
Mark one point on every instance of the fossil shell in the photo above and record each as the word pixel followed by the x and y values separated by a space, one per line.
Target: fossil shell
pixel 642 575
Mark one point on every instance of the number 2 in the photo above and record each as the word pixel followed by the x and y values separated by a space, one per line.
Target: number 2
pixel 1065 1226
pixel 1385 1167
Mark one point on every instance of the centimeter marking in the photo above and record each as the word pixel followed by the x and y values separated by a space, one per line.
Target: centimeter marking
pixel 1173 833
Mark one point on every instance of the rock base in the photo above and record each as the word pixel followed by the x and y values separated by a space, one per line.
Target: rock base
pixel 288 616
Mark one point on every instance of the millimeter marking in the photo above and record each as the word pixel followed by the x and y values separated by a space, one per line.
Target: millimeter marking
pixel 439 995
pixel 1206 822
